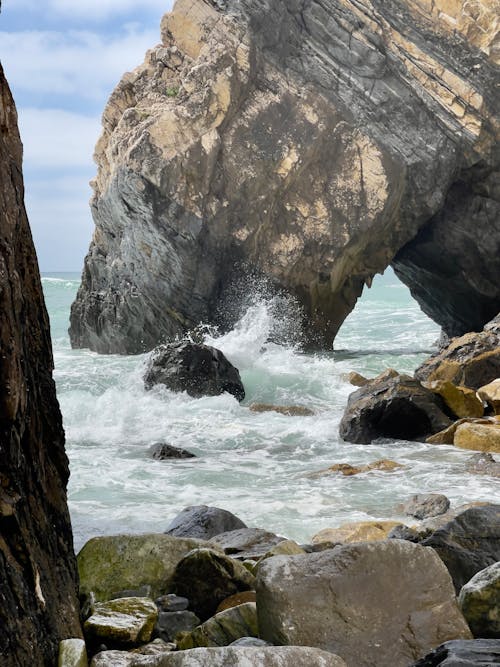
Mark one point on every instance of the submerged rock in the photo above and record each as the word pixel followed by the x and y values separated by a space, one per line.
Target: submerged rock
pixel 203 522
pixel 200 370
pixel 483 464
pixel 289 410
pixel 479 600
pixel 346 469
pixel 162 451
pixel 463 653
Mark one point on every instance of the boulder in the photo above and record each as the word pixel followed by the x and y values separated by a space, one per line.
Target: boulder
pixel 491 394
pixel 223 628
pixel 462 401
pixel 374 604
pixel 141 592
pixel 122 621
pixel 170 623
pixel 207 577
pixel 246 542
pixel 284 548
pixel 249 641
pixel 289 410
pixel 171 602
pixel 116 562
pixel 233 656
pixel 483 464
pixel 479 600
pixel 236 599
pixel 392 407
pixel 468 543
pixel 156 647
pixel 203 522
pixel 162 451
pixel 346 469
pixel 200 370
pixel 425 505
pixel 356 379
pixel 72 653
pixel 358 531
pixel 447 435
pixel 479 437
pixel 463 653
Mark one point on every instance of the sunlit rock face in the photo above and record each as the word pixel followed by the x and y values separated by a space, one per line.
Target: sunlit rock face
pixel 38 580
pixel 306 142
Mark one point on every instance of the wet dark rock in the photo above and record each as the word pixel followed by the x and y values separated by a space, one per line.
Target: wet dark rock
pixel 479 600
pixel 469 543
pixel 203 522
pixel 170 623
pixel 288 410
pixel 425 505
pixel 162 451
pixel 392 407
pixel 200 370
pixel 483 463
pixel 463 653
pixel 247 542
pixel 171 602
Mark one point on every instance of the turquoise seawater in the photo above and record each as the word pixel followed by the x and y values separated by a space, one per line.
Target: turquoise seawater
pixel 259 466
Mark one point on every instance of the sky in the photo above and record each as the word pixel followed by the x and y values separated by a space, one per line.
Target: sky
pixel 62 59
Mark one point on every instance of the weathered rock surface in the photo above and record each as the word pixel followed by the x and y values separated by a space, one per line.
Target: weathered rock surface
pixel 392 407
pixel 170 623
pixel 232 656
pixel 346 469
pixel 203 522
pixel 162 451
pixel 481 437
pixel 288 410
pixel 200 370
pixel 462 401
pixel 38 577
pixel 236 599
pixel 246 542
pixel 469 543
pixel 363 602
pixel 122 621
pixel 357 531
pixel 479 600
pixel 223 628
pixel 116 562
pixel 425 505
pixel 311 155
pixel 72 653
pixel 483 464
pixel 491 394
pixel 460 653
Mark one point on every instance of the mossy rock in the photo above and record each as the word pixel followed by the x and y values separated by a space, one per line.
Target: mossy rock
pixel 223 628
pixel 480 602
pixel 122 621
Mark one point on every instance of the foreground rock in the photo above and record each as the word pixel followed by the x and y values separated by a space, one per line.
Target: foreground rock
pixel 122 621
pixel 479 600
pixel 462 401
pixel 233 656
pixel 200 370
pixel 224 628
pixel 246 542
pixel 203 522
pixel 38 578
pixel 392 407
pixel 425 505
pixel 363 602
pixel 357 531
pixel 459 653
pixel 310 159
pixel 469 543
pixel 479 437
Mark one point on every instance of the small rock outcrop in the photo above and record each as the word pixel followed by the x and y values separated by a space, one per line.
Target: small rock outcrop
pixel 38 576
pixel 304 142
pixel 425 505
pixel 162 451
pixel 479 600
pixel 200 370
pixel 483 464
pixel 125 621
pixel 203 522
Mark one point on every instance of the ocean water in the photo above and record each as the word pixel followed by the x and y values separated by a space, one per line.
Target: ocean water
pixel 261 466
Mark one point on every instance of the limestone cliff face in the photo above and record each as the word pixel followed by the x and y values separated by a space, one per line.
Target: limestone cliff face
pixel 38 580
pixel 305 140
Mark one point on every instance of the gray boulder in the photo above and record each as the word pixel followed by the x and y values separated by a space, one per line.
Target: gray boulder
pixel 203 522
pixel 223 628
pixel 425 505
pixel 247 542
pixel 374 604
pixel 162 451
pixel 483 463
pixel 170 623
pixel 479 600
pixel 460 653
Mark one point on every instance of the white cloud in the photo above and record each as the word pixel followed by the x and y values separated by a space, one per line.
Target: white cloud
pixel 93 10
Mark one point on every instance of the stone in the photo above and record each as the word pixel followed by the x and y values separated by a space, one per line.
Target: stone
pixel 162 451
pixel 203 522
pixel 468 543
pixel 289 410
pixel 479 437
pixel 207 577
pixel 233 656
pixel 236 599
pixel 249 641
pixel 116 562
pixel 200 370
pixel 463 653
pixel 38 577
pixel 357 531
pixel 246 543
pixel 346 469
pixel 392 407
pixel 479 600
pixel 462 401
pixel 364 602
pixel 356 379
pixel 483 464
pixel 170 623
pixel 223 628
pixel 122 621
pixel 156 647
pixel 171 602
pixel 412 534
pixel 424 505
pixel 284 548
pixel 491 394
pixel 364 137
pixel 141 592
pixel 72 653
pixel 447 435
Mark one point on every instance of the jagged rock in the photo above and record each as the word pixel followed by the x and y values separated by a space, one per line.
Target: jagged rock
pixel 207 577
pixel 200 370
pixel 246 543
pixel 235 656
pixel 236 599
pixel 122 621
pixel 468 543
pixel 463 653
pixel 357 531
pixel 425 505
pixel 223 628
pixel 491 394
pixel 479 600
pixel 483 464
pixel 289 410
pixel 38 578
pixel 367 605
pixel 481 437
pixel 392 407
pixel 116 562
pixel 203 522
pixel 171 602
pixel 162 451
pixel 310 156
pixel 462 401
pixel 170 623
pixel 72 653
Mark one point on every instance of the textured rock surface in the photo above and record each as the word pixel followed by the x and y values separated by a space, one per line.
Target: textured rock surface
pixel 162 451
pixel 460 653
pixel 364 602
pixel 491 394
pixel 246 542
pixel 360 531
pixel 479 600
pixel 462 401
pixel 72 653
pixel 122 621
pixel 223 628
pixel 203 522
pixel 38 578
pixel 483 464
pixel 481 437
pixel 309 142
pixel 424 505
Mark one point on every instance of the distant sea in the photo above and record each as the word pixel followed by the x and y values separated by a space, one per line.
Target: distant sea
pixel 258 466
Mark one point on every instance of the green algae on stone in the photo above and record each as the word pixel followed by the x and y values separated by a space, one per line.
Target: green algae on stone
pixel 123 621
pixel 479 600
pixel 223 628
pixel 72 653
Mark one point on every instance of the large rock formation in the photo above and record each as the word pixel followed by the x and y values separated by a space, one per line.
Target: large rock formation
pixel 307 142
pixel 38 599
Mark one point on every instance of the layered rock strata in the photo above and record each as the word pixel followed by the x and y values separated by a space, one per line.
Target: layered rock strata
pixel 38 599
pixel 305 142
